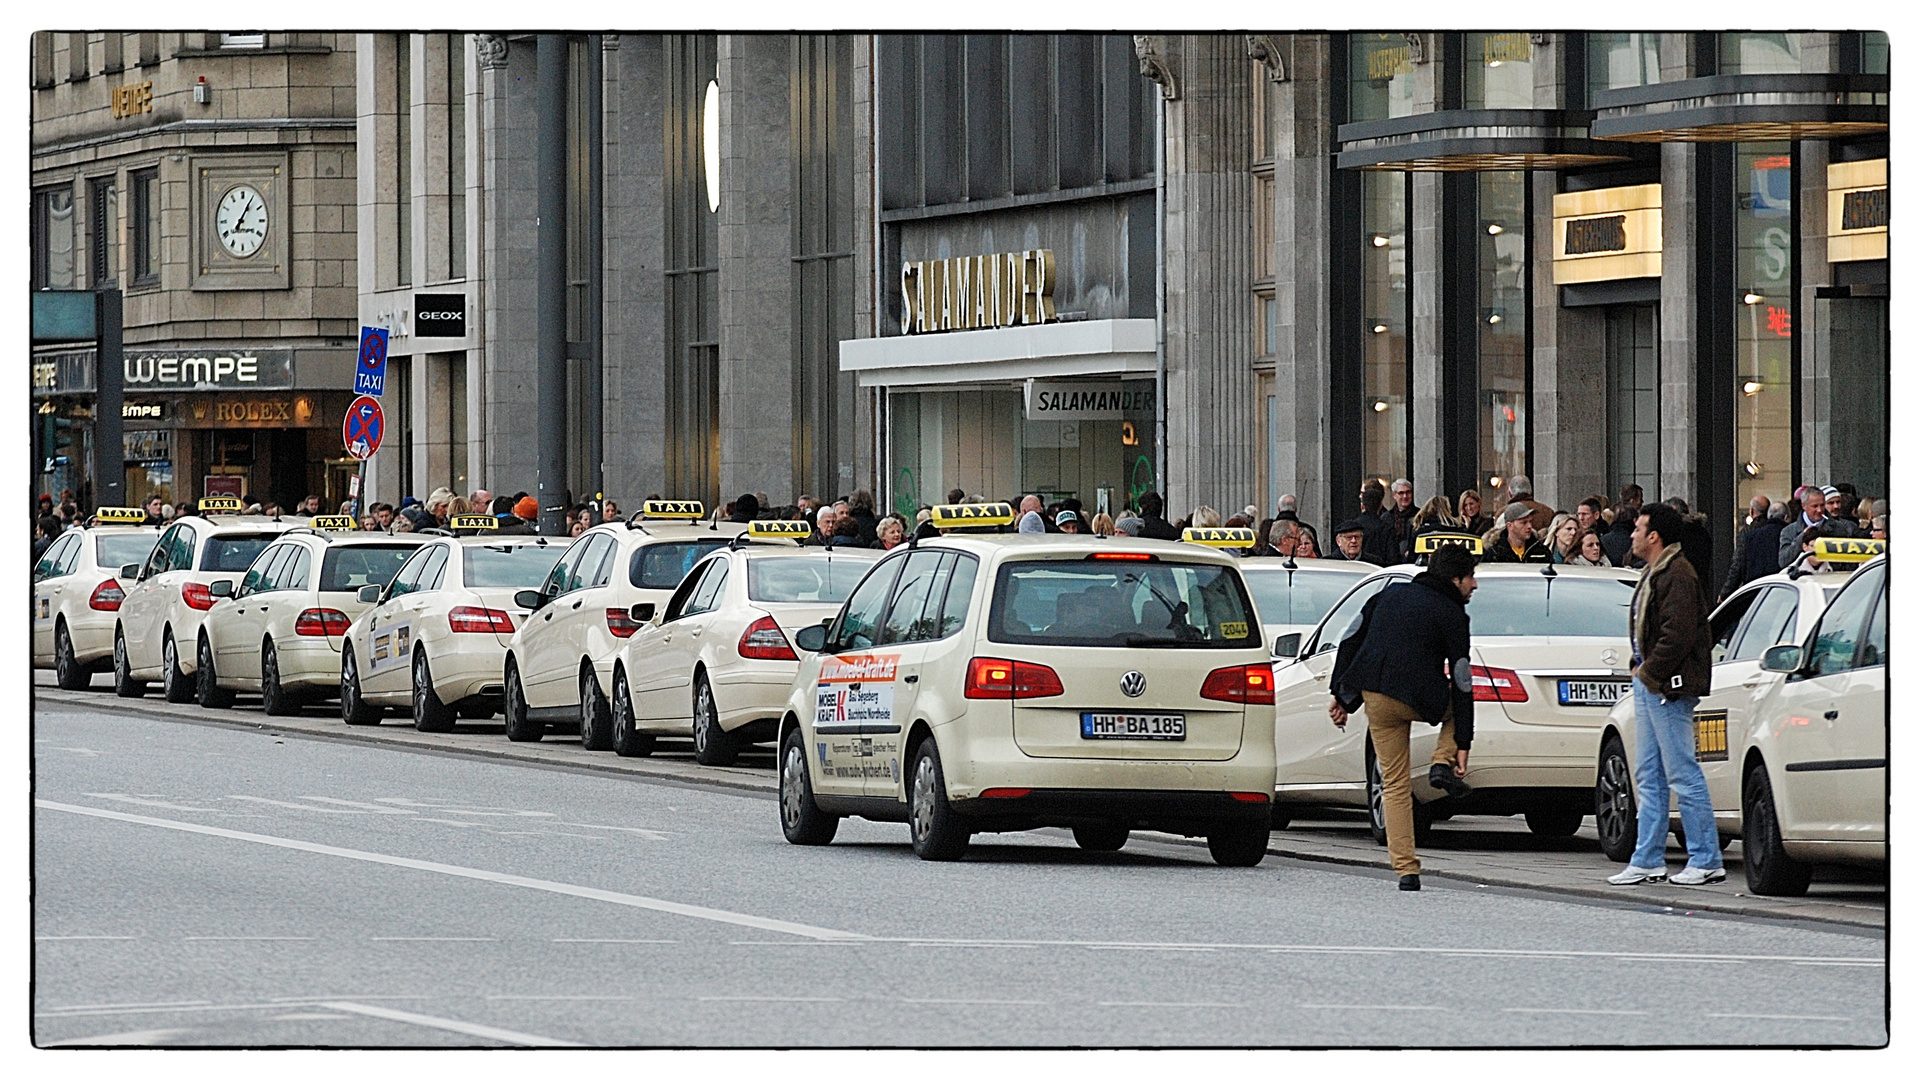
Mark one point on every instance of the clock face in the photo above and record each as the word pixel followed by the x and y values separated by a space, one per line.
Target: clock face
pixel 241 220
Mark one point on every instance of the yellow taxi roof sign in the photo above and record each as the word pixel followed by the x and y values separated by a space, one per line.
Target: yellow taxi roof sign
pixel 671 508
pixel 969 515
pixel 220 504
pixel 471 521
pixel 335 523
pixel 1428 543
pixel 1220 538
pixel 119 515
pixel 1839 549
pixel 784 530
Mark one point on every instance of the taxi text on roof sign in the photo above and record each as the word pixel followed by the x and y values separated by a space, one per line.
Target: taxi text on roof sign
pixel 119 515
pixel 1222 538
pixel 1840 550
pixel 220 504
pixel 786 529
pixel 1428 543
pixel 473 521
pixel 335 523
pixel 951 515
pixel 671 508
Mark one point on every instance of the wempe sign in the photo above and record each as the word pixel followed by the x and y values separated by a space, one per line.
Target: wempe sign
pixel 237 369
pixel 1087 400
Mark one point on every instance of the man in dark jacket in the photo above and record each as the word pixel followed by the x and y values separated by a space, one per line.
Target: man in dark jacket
pixel 1673 668
pixel 1407 662
pixel 1517 543
pixel 1618 540
pixel 1756 553
pixel 1379 546
pixel 745 509
pixel 1347 539
pixel 1154 524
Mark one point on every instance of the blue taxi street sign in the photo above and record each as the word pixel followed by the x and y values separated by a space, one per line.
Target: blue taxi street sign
pixel 370 374
pixel 363 427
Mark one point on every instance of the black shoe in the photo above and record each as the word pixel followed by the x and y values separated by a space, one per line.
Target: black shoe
pixel 1442 777
pixel 1409 882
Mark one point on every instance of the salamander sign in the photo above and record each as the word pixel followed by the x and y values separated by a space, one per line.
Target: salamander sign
pixel 1088 400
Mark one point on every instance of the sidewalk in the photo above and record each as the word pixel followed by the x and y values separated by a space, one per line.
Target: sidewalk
pixel 1483 850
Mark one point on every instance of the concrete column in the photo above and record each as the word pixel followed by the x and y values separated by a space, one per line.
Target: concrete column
pixel 635 369
pixel 551 398
pixel 507 121
pixel 1679 320
pixel 1423 281
pixel 756 267
pixel 1302 364
pixel 1813 324
pixel 857 419
pixel 1569 404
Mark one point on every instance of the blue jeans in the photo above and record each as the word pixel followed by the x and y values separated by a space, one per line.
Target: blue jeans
pixel 1663 758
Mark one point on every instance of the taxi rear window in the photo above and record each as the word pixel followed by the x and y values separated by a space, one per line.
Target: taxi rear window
pixel 510 566
pixel 803 579
pixel 1309 596
pixel 1122 605
pixel 664 566
pixel 1526 606
pixel 117 551
pixel 232 554
pixel 349 569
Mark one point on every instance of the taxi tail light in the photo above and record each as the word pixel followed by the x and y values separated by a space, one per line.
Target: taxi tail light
pixel 990 678
pixel 1497 684
pixel 1251 796
pixel 764 641
pixel 198 597
pixel 620 623
pixel 479 620
pixel 1128 556
pixel 321 622
pixel 1250 684
pixel 1006 793
pixel 107 596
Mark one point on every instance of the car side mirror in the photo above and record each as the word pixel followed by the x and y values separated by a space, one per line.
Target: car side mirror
pixel 220 590
pixel 531 599
pixel 368 594
pixel 642 612
pixel 131 570
pixel 1782 658
pixel 812 638
pixel 1286 646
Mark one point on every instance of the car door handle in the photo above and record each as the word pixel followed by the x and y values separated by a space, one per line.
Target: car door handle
pixel 913 678
pixel 548 617
pixel 1832 715
pixel 1755 679
pixel 576 605
pixel 695 632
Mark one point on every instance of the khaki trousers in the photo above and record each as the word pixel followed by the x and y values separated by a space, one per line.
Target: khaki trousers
pixel 1390 722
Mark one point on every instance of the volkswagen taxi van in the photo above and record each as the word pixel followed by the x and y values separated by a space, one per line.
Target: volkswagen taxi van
pixel 433 639
pixel 715 662
pixel 159 620
pixel 78 586
pixel 279 631
pixel 560 661
pixel 989 682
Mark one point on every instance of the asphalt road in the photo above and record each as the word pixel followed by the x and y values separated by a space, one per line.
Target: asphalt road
pixel 201 885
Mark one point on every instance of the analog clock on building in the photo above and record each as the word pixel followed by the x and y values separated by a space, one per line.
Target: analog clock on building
pixel 241 220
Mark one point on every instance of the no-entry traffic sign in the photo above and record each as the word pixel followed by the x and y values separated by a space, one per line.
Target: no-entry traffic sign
pixel 370 374
pixel 364 425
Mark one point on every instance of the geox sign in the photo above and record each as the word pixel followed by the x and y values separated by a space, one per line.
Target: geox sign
pixel 439 315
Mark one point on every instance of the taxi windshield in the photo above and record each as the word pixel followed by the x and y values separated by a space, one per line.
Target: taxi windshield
pixel 1113 604
pixel 1563 606
pixel 1300 597
pixel 232 554
pixel 663 566
pixel 125 548
pixel 803 579
pixel 510 566
pixel 348 569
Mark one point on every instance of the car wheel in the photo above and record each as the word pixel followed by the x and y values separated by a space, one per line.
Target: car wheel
pixel 429 712
pixel 354 708
pixel 67 672
pixel 273 696
pixel 124 684
pixel 938 834
pixel 173 680
pixel 1243 843
pixel 206 685
pixel 519 728
pixel 1376 800
pixel 1615 816
pixel 628 741
pixel 1103 836
pixel 1279 817
pixel 1770 870
pixel 1555 820
pixel 712 744
pixel 594 718
pixel 801 819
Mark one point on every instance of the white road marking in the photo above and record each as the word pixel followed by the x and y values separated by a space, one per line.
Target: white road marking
pixel 1679 960
pixel 475 811
pixel 557 997
pixel 613 941
pixel 966 1001
pixel 1156 948
pixel 310 999
pixel 694 911
pixel 150 1037
pixel 461 1026
pixel 71 750
pixel 150 801
pixel 309 1016
pixel 1835 963
pixel 294 805
pixel 1396 1008
pixel 246 939
pixel 1386 950
pixel 850 939
pixel 434 939
pixel 965 945
pixel 1173 1004
pixel 649 834
pixel 1581 1012
pixel 370 807
pixel 770 999
pixel 87 937
pixel 126 1005
pixel 1766 1016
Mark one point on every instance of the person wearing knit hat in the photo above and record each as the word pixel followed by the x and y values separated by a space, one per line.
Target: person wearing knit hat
pixel 527 509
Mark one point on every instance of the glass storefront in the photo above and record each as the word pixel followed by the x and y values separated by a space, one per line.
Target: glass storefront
pixel 1759 54
pixel 1379 76
pixel 1499 71
pixel 1860 358
pixel 1616 61
pixel 1633 397
pixel 1502 312
pixel 1388 360
pixel 1764 273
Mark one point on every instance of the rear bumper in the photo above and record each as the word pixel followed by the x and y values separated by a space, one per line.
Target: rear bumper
pixel 91 634
pixel 309 663
pixel 747 694
pixel 1188 812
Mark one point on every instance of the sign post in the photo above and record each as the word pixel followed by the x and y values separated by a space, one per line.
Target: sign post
pixel 370 374
pixel 370 382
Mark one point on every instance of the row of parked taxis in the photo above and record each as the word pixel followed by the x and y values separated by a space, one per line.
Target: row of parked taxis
pixel 987 681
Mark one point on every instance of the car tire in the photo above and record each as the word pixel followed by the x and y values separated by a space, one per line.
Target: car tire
pixel 596 719
pixel 274 697
pixel 429 712
pixel 68 673
pixel 801 819
pixel 1279 817
pixel 174 684
pixel 1376 807
pixel 938 833
pixel 206 685
pixel 519 727
pixel 1616 817
pixel 1556 821
pixel 712 744
pixel 1102 836
pixel 628 740
pixel 1242 843
pixel 354 708
pixel 1770 870
pixel 124 684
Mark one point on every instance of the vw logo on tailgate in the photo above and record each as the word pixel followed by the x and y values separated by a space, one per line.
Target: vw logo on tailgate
pixel 1133 684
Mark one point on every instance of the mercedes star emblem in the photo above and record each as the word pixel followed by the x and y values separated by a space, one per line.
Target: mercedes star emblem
pixel 1133 684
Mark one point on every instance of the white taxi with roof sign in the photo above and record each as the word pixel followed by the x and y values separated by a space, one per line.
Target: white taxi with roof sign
pixel 77 591
pixel 432 640
pixel 159 621
pixel 715 661
pixel 1292 594
pixel 559 665
pixel 983 682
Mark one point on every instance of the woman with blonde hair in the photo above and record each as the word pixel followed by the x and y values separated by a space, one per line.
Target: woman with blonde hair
pixel 1473 518
pixel 1103 524
pixel 1563 537
pixel 1436 516
pixel 1206 517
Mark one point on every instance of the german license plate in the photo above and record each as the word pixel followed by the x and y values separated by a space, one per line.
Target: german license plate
pixel 1591 691
pixel 1105 725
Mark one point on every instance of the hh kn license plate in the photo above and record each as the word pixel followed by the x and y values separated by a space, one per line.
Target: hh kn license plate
pixel 1105 725
pixel 1592 692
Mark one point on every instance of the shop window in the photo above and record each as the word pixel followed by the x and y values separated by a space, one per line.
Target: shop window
pixel 1633 397
pixel 457 421
pixel 1760 54
pixel 400 380
pixel 1502 313
pixel 1379 76
pixel 403 158
pixel 1873 53
pixel 1764 323
pixel 54 265
pixel 1499 71
pixel 1386 349
pixel 143 228
pixel 104 195
pixel 1616 61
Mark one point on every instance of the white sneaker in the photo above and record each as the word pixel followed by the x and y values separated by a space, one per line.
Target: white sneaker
pixel 1698 875
pixel 1635 875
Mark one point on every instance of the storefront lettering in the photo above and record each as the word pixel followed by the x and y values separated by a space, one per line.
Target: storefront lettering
pixel 252 369
pixel 1383 64
pixel 1589 235
pixel 1087 400
pixel 1864 209
pixel 1506 48
pixel 976 292
pixel 131 99
pixel 252 411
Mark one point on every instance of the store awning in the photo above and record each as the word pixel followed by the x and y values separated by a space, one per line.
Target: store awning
pixel 1012 354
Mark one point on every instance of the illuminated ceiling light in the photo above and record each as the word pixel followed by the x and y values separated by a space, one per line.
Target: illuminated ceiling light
pixel 1494 319
pixel 1495 63
pixel 1751 387
pixel 1379 328
pixel 1495 229
pixel 1379 406
pixel 1493 481
pixel 1379 241
pixel 710 136
pixel 1753 470
pixel 1751 299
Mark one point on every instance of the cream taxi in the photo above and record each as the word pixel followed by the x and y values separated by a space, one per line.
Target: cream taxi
pixel 1291 594
pixel 159 621
pixel 279 631
pixel 715 661
pixel 559 663
pixel 1550 656
pixel 432 640
pixel 78 588
pixel 998 682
